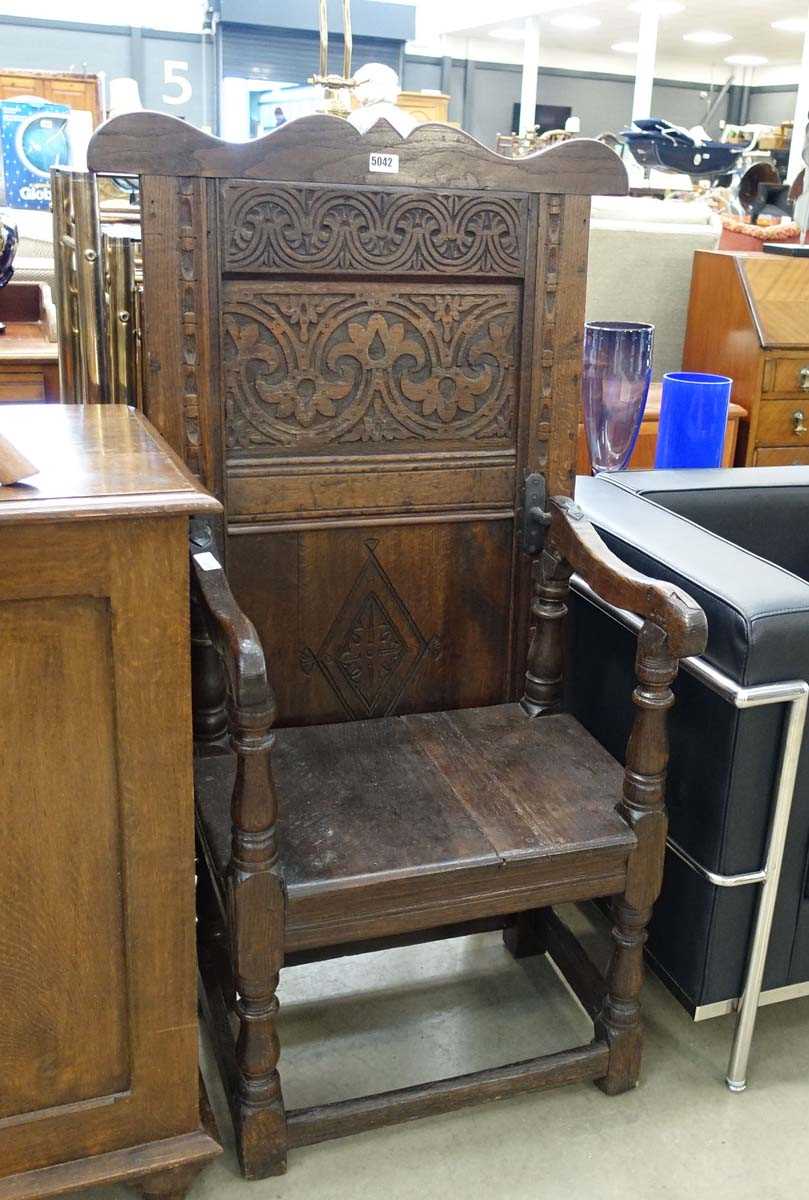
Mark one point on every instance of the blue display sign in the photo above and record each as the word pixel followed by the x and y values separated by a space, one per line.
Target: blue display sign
pixel 34 139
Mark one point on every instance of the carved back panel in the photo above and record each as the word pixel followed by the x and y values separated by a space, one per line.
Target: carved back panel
pixel 364 367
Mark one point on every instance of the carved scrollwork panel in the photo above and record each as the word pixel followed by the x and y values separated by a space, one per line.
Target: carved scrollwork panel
pixel 276 227
pixel 341 364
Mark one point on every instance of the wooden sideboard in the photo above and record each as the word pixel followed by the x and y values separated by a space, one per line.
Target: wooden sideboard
pixel 643 456
pixel 748 317
pixel 29 352
pixel 83 92
pixel 98 1053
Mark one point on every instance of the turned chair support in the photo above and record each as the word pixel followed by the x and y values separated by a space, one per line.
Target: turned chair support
pixel 674 628
pixel 255 894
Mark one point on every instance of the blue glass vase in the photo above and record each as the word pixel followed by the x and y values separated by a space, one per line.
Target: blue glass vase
pixel 693 418
pixel 616 374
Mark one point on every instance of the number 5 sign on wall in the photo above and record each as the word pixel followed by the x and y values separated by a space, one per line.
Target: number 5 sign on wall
pixel 175 74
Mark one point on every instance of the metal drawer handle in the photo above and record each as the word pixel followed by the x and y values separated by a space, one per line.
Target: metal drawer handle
pixel 798 421
pixel 803 375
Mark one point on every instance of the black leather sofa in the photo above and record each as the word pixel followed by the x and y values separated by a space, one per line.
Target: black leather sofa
pixel 738 542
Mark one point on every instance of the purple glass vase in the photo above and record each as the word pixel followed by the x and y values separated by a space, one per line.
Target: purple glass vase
pixel 615 383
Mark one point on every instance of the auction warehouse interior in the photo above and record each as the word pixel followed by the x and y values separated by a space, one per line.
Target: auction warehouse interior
pixel 404 599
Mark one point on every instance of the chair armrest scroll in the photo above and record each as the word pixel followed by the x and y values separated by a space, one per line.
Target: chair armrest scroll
pixel 574 539
pixel 233 634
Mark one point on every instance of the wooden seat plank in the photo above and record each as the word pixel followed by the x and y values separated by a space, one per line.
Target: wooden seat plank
pixel 430 822
pixel 535 788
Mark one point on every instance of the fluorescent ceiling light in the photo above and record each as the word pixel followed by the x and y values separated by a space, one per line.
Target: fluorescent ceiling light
pixel 791 25
pixel 508 33
pixel 665 8
pixel 746 60
pixel 708 37
pixel 624 47
pixel 575 21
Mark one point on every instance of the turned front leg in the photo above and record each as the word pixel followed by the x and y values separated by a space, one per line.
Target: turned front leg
pixel 256 920
pixel 643 807
pixel 544 677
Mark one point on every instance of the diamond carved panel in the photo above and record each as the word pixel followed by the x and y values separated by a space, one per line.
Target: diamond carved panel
pixel 373 649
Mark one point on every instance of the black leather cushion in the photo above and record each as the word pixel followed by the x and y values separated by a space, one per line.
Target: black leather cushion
pixel 723 759
pixel 762 509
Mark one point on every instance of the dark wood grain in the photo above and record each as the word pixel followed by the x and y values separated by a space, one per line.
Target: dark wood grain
pixel 643 807
pixel 317 229
pixel 368 621
pixel 255 895
pixel 432 156
pixel 572 960
pixel 446 1095
pixel 574 540
pixel 524 813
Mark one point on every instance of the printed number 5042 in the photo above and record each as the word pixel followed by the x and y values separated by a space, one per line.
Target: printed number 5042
pixel 389 163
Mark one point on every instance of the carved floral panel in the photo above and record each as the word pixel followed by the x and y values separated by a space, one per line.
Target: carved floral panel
pixel 345 364
pixel 272 227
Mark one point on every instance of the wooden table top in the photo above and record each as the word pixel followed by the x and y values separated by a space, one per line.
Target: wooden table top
pixel 23 342
pixel 97 460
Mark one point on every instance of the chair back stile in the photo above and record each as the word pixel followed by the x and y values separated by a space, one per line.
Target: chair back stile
pixel 364 365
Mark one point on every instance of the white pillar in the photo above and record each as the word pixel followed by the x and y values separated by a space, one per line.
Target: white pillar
pixel 645 63
pixel 530 68
pixel 801 118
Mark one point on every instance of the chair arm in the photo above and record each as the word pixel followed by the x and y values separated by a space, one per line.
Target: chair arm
pixel 255 895
pixel 233 635
pixel 573 539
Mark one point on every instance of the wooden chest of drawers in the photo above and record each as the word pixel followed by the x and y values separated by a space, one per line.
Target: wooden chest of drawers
pixel 748 317
pixel 98 1051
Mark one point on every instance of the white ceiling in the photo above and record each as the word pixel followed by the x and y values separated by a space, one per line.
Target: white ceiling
pixel 470 22
pixel 463 28
pixel 151 14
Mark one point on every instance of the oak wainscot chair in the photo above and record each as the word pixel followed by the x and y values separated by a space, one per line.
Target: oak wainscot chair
pixel 378 375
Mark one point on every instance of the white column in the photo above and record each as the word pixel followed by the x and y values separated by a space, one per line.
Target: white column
pixel 530 67
pixel 801 118
pixel 645 63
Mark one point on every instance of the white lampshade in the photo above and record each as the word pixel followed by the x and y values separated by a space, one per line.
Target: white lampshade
pixel 124 96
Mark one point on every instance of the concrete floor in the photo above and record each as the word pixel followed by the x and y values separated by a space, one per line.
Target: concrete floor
pixel 359 1025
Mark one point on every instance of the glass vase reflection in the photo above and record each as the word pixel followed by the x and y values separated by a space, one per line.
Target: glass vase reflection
pixel 615 384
